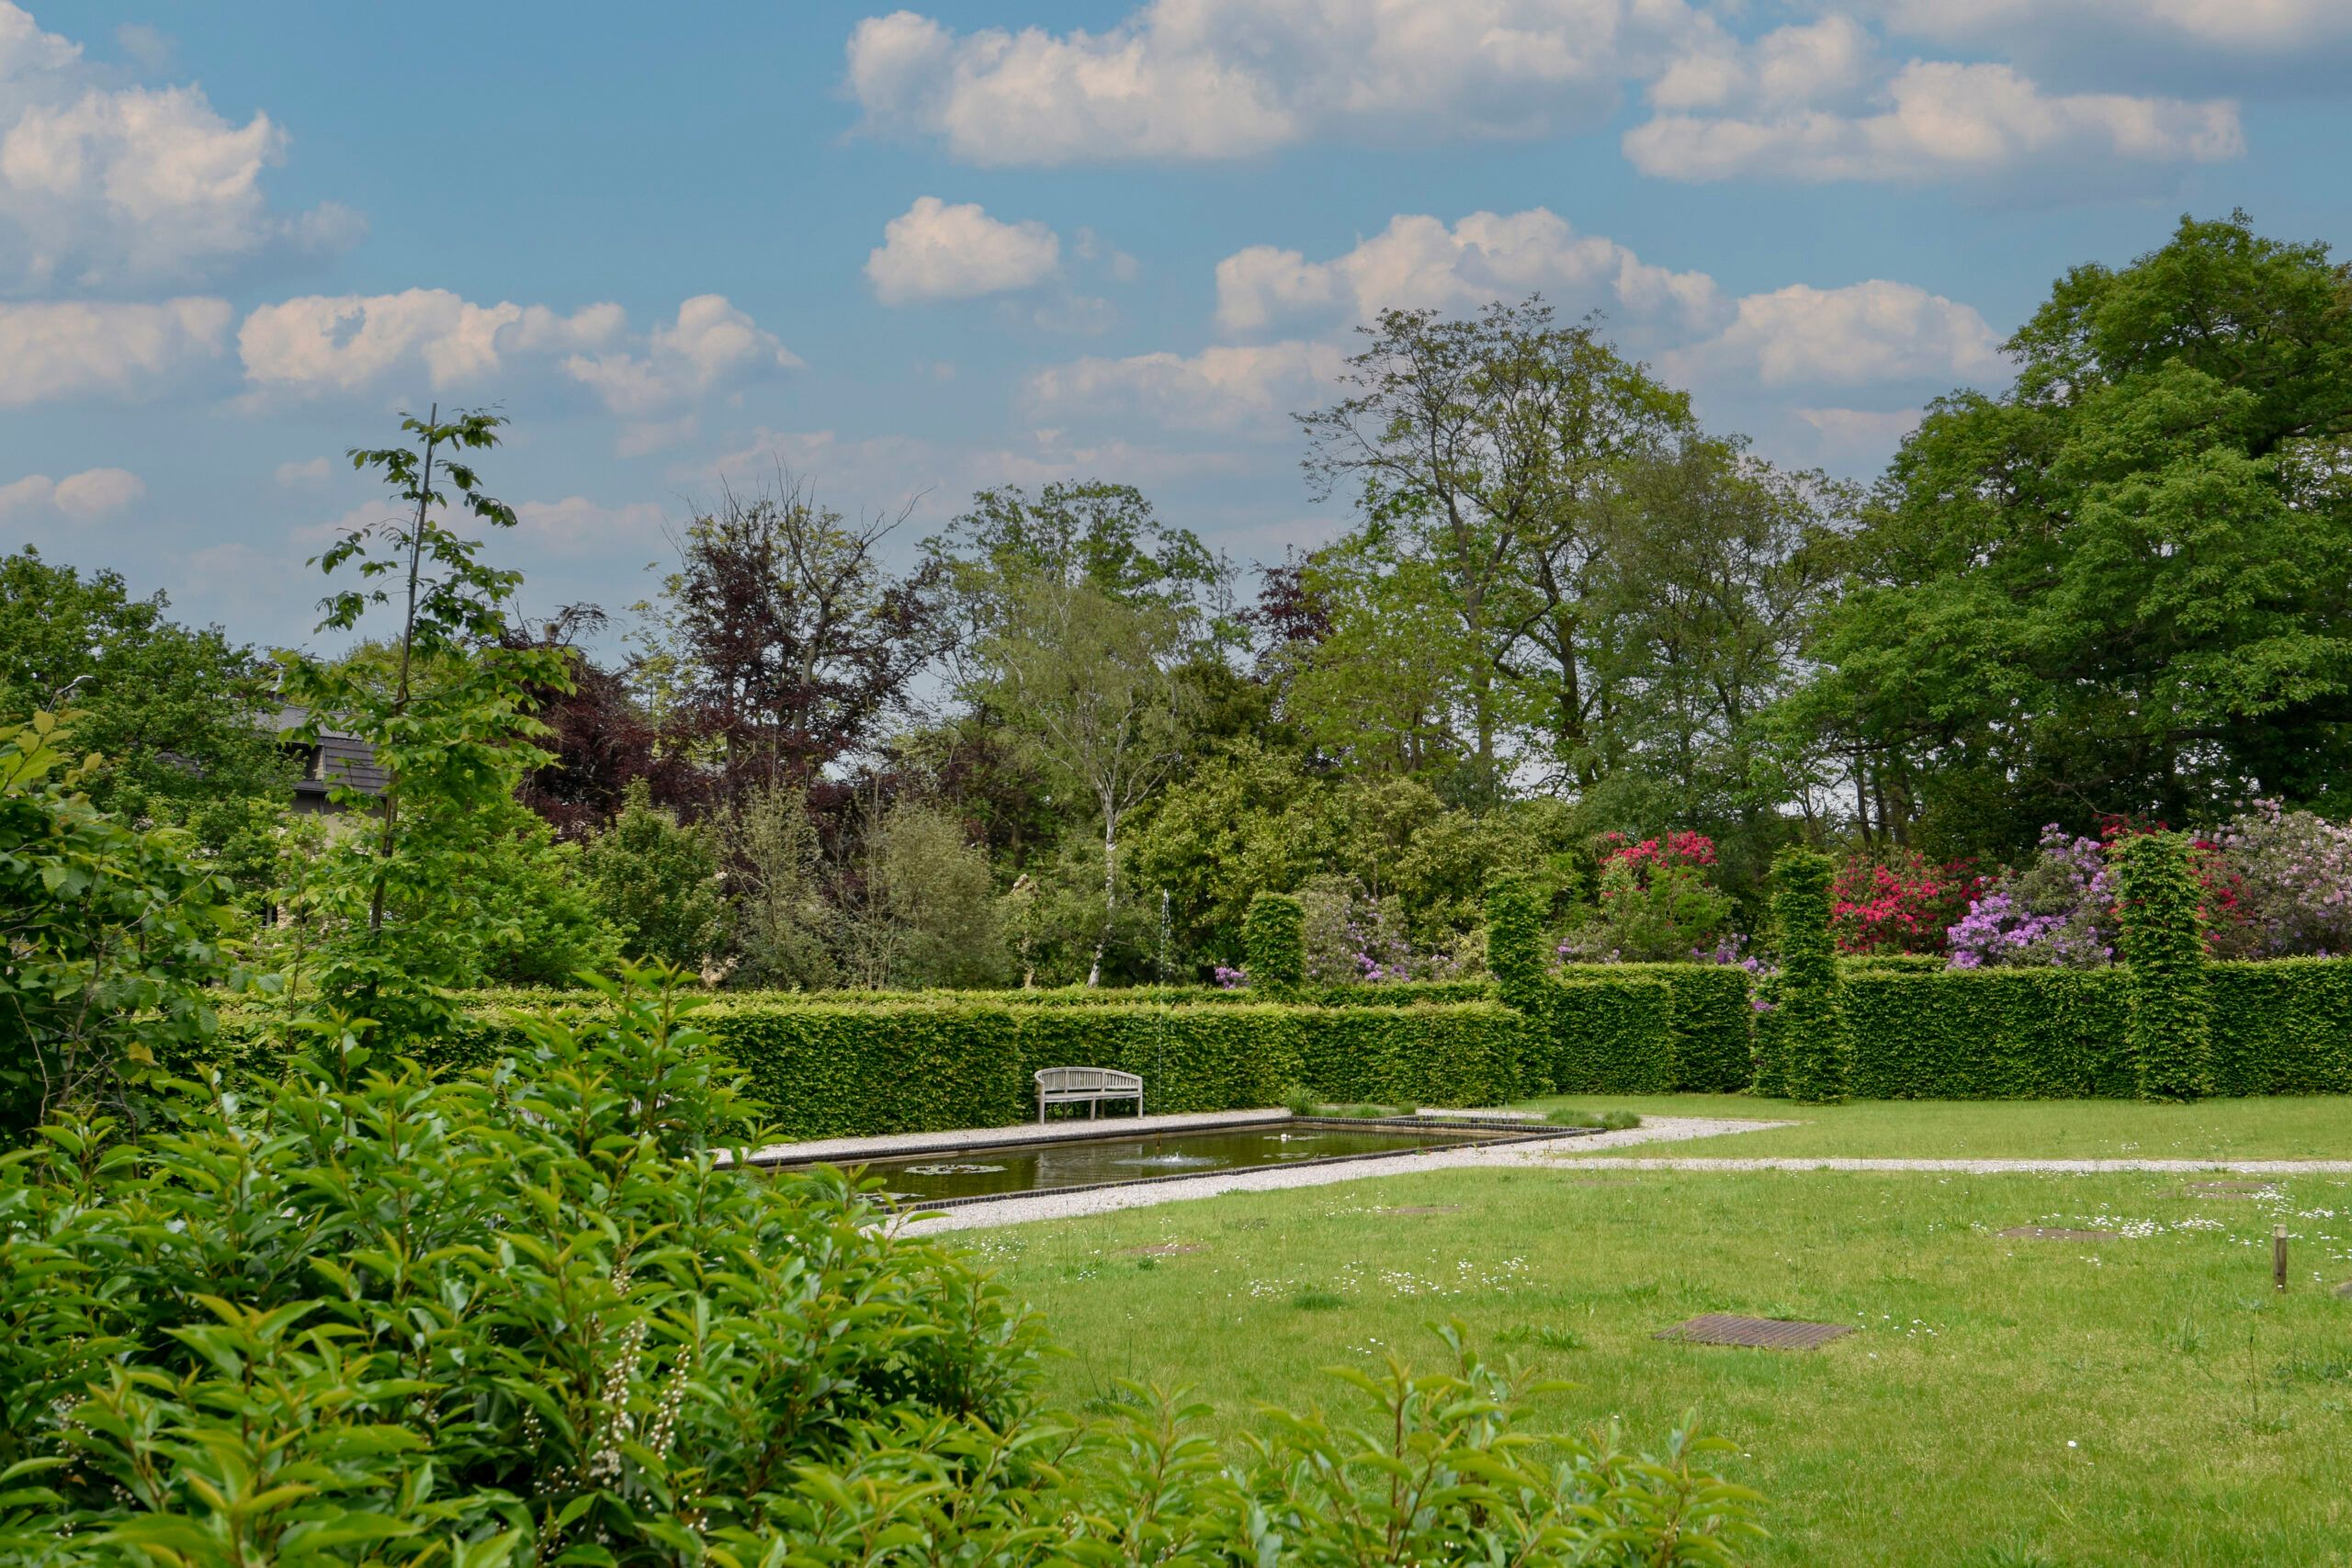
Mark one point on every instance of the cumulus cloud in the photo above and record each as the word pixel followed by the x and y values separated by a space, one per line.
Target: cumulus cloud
pixel 347 342
pixel 1228 388
pixel 709 344
pixel 304 474
pixel 933 251
pixel 1418 261
pixel 103 185
pixel 52 352
pixel 1204 79
pixel 2242 27
pixel 323 344
pixel 577 525
pixel 1868 331
pixel 84 497
pixel 1943 121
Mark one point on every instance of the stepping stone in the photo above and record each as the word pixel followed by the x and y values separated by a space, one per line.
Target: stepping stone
pixel 1431 1208
pixel 1163 1250
pixel 2056 1233
pixel 1757 1333
pixel 2344 1289
pixel 2229 1189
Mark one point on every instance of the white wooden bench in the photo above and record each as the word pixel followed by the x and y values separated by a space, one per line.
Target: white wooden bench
pixel 1069 1086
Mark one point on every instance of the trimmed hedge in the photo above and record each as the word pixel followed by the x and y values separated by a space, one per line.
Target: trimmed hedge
pixel 2163 944
pixel 1989 1034
pixel 1381 994
pixel 1708 1020
pixel 1815 1046
pixel 1274 943
pixel 826 1070
pixel 2281 1026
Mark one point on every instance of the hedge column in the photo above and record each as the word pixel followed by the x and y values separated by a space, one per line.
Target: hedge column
pixel 1274 943
pixel 1813 1030
pixel 2170 1014
pixel 1515 943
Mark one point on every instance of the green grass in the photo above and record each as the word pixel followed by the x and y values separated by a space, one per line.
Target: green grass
pixel 2283 1127
pixel 2144 1400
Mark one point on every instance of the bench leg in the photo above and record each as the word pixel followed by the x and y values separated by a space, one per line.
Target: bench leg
pixel 1091 1107
pixel 1041 1105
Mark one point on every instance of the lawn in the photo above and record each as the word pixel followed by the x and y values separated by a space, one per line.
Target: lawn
pixel 2150 1399
pixel 2281 1127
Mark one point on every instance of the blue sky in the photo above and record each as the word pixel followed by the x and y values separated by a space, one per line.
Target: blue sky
pixel 909 254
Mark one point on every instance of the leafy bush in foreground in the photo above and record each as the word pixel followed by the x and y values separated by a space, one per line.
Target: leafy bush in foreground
pixel 536 1316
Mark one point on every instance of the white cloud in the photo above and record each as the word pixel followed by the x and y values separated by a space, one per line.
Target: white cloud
pixel 933 251
pixel 1944 121
pixel 1418 261
pixel 1868 331
pixel 1194 79
pixel 1254 387
pixel 709 344
pixel 323 344
pixel 52 351
pixel 103 184
pixel 2238 27
pixel 84 497
pixel 303 475
pixel 1801 65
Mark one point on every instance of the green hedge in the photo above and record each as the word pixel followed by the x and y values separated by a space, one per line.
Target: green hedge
pixel 1989 1034
pixel 2162 943
pixel 1382 994
pixel 827 1070
pixel 2283 1027
pixel 1710 1020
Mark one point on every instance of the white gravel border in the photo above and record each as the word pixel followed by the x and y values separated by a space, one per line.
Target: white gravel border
pixel 1267 1179
pixel 885 1145
pixel 1990 1167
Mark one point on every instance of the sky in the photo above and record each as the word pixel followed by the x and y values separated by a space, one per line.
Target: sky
pixel 905 254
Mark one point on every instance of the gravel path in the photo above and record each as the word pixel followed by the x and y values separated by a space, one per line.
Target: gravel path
pixel 1106 1200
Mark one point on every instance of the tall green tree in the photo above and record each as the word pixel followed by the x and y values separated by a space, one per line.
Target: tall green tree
pixel 184 716
pixel 2124 585
pixel 1480 448
pixel 399 898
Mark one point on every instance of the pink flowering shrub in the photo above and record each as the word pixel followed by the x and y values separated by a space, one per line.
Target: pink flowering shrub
pixel 1354 938
pixel 2058 912
pixel 1899 902
pixel 1655 903
pixel 2283 886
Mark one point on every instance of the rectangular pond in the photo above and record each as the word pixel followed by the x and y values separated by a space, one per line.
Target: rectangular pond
pixel 948 1175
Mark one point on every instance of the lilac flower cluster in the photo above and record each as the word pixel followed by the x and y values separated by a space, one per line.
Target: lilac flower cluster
pixel 1232 979
pixel 2058 912
pixel 1355 938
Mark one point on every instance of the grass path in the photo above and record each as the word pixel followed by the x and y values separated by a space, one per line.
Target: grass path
pixel 2146 1399
pixel 2284 1127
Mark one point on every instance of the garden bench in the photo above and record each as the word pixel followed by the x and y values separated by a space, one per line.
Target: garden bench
pixel 1068 1086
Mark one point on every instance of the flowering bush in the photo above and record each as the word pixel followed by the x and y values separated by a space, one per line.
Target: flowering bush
pixel 2282 886
pixel 1354 938
pixel 2059 911
pixel 1899 902
pixel 1655 902
pixel 1231 979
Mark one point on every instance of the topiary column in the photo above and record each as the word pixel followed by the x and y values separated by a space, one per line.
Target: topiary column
pixel 1515 941
pixel 1274 943
pixel 1816 1053
pixel 2170 1017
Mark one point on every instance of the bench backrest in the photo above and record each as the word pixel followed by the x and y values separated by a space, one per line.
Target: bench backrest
pixel 1063 1081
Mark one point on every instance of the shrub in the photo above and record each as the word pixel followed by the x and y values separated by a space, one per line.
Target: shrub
pixel 657 883
pixel 1815 1060
pixel 2059 910
pixel 1708 1020
pixel 2283 886
pixel 111 940
pixel 1898 901
pixel 2164 976
pixel 1654 902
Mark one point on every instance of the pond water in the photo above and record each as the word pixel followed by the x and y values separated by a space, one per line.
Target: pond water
pixel 1094 1161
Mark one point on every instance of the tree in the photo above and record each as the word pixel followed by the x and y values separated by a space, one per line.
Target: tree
pixel 600 738
pixel 1478 448
pixel 2124 586
pixel 1089 679
pixel 657 882
pixel 399 898
pixel 110 938
pixel 771 859
pixel 781 642
pixel 922 910
pixel 185 717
